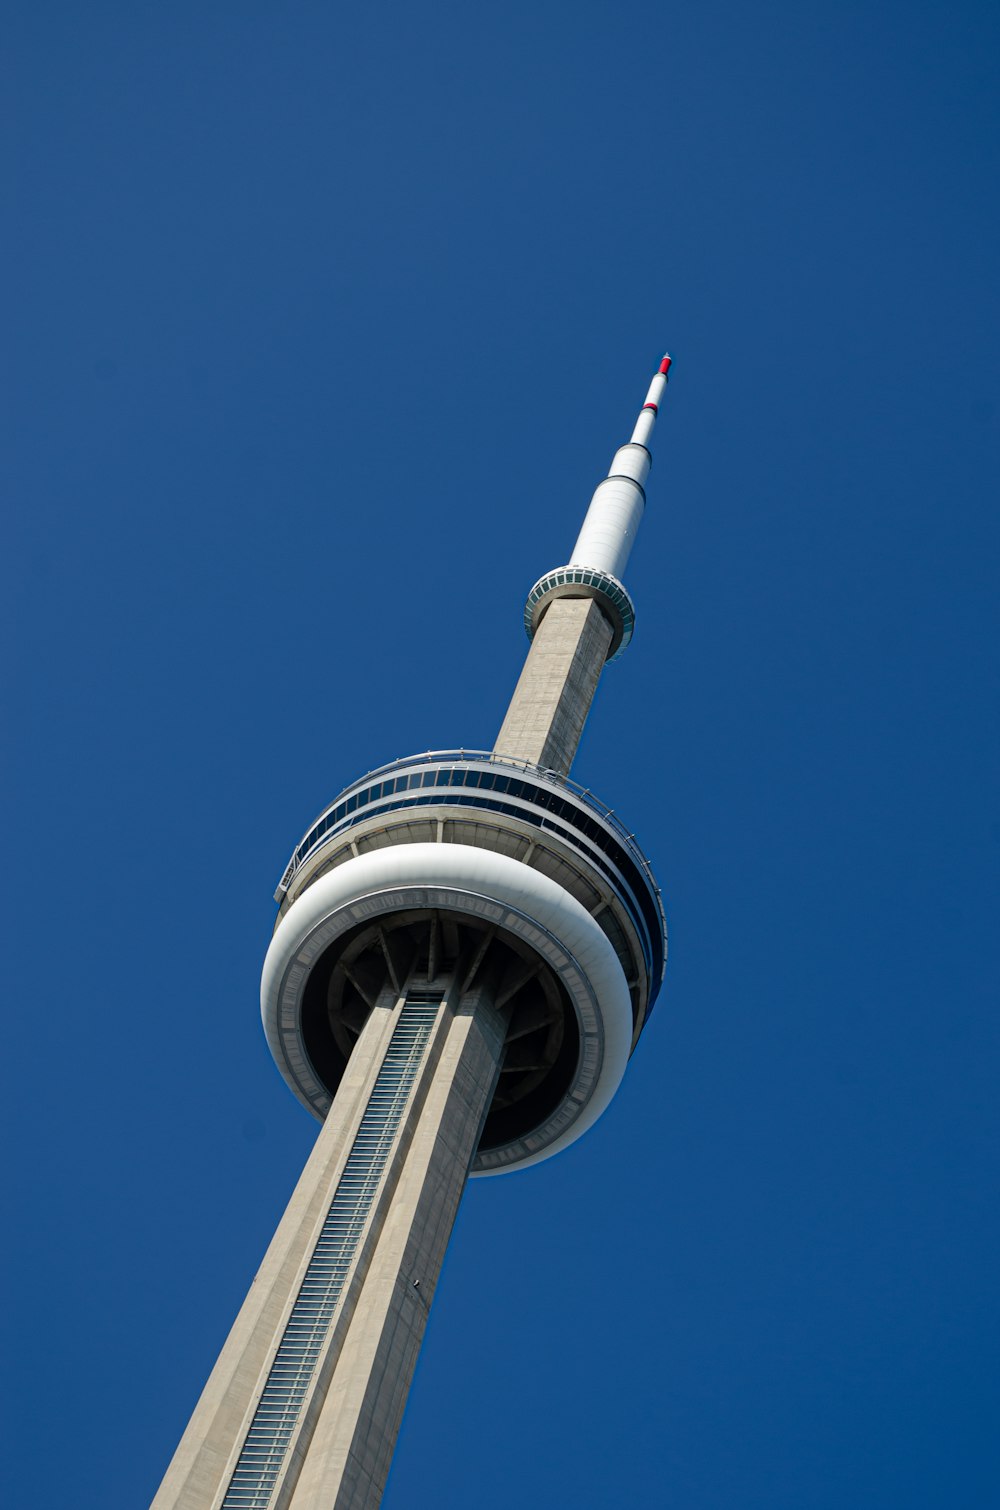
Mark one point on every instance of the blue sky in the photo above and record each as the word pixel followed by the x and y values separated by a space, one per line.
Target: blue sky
pixel 321 325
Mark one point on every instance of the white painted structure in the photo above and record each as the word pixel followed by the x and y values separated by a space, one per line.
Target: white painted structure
pixel 612 521
pixel 475 883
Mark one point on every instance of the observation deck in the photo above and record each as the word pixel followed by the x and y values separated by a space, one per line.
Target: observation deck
pixel 454 858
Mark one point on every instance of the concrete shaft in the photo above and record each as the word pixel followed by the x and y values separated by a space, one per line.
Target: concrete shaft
pixel 556 688
pixel 340 1446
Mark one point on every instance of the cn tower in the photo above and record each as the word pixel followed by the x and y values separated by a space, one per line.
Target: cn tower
pixel 467 948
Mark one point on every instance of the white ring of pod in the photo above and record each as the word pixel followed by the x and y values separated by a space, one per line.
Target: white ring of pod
pixel 498 890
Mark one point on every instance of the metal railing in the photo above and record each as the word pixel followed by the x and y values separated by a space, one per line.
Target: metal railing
pixel 476 758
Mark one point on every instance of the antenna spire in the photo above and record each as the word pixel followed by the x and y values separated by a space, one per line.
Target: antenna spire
pixel 654 398
pixel 575 636
pixel 609 529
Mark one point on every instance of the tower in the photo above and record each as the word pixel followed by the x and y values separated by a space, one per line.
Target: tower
pixel 467 948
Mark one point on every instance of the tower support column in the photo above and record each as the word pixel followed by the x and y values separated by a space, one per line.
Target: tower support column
pixel 556 687
pixel 355 1435
pixel 304 1404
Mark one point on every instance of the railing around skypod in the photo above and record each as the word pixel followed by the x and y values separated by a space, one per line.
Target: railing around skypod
pixel 457 769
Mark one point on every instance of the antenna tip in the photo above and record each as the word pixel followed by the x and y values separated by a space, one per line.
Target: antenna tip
pixel 665 364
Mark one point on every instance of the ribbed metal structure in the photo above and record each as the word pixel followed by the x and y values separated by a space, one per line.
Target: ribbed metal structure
pixel 269 1439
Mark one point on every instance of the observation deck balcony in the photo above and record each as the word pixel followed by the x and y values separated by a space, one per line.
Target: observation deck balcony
pixel 489 783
